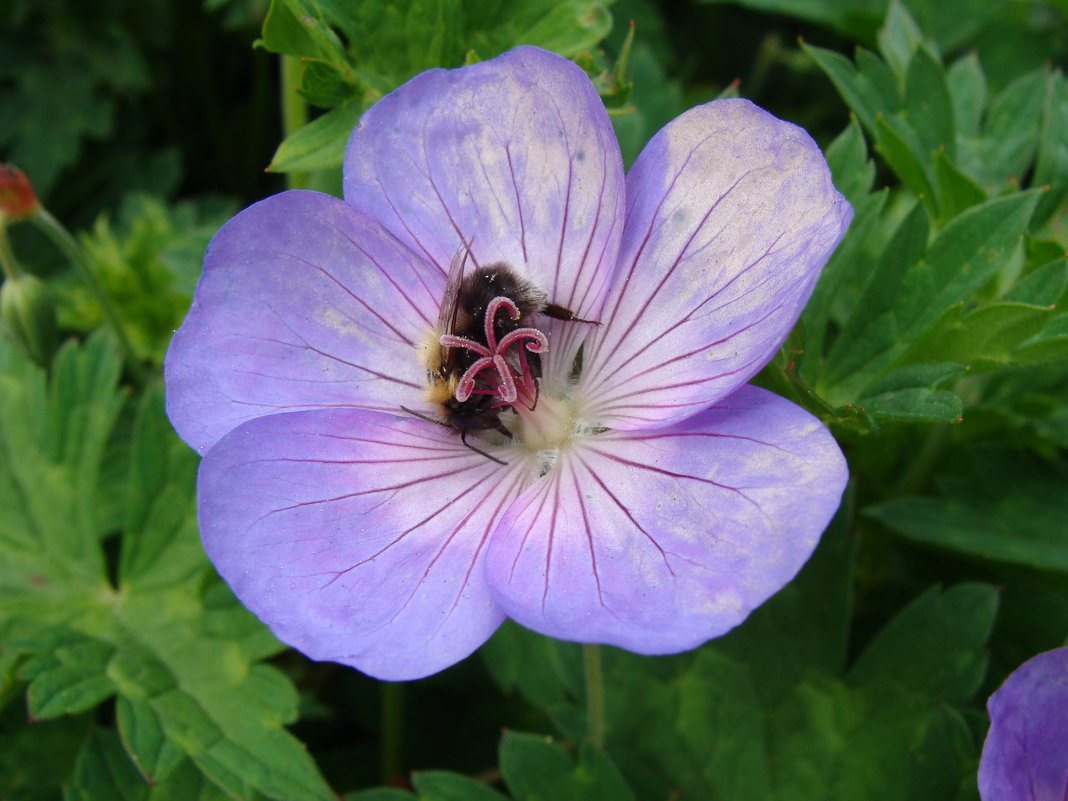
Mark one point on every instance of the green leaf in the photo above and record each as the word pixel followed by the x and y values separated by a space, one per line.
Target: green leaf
pixel 543 670
pixel 936 645
pixel 917 375
pixel 1051 165
pixel 869 88
pixel 947 754
pixel 438 785
pixel 928 106
pixel 103 772
pixel 897 143
pixel 380 794
pixel 842 273
pixel 805 626
pixel 873 325
pixel 180 660
pixel 914 405
pixel 536 769
pixel 967 91
pixel 667 719
pixel 957 191
pixel 853 171
pixel 1011 134
pixel 1043 286
pixel 70 677
pixel 1014 512
pixel 837 742
pixel 983 339
pixel 898 38
pixel 321 143
pixel 36 758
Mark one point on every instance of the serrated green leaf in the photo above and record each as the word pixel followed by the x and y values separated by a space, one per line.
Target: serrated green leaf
pixel 380 794
pixel 896 142
pixel 320 144
pixel 936 645
pixel 1043 286
pixel 898 38
pixel 1011 134
pixel 160 547
pixel 984 338
pixel 852 170
pixel 151 640
pixel 928 106
pixel 543 670
pixel 947 754
pixel 37 758
pixel 69 678
pixel 914 405
pixel 104 773
pixel 438 785
pixel 957 192
pixel 841 743
pixel 844 270
pixel 1014 512
pixel 868 88
pixel 967 91
pixel 666 722
pixel 873 325
pixel 917 375
pixel 1051 164
pixel 536 769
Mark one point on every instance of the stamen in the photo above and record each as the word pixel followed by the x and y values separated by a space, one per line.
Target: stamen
pixel 495 353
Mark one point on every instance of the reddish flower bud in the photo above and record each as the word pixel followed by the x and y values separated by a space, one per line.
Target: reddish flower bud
pixel 17 198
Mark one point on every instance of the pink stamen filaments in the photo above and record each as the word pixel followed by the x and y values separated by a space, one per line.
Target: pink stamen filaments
pixel 506 389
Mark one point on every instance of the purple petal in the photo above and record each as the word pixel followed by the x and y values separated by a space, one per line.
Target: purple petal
pixel 731 214
pixel 1025 757
pixel 515 156
pixel 656 541
pixel 304 303
pixel 358 537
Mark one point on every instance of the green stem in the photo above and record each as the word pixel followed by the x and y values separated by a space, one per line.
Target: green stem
pixel 70 248
pixel 8 262
pixel 392 730
pixel 591 657
pixel 294 111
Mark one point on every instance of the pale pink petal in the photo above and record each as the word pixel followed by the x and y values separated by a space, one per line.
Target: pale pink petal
pixel 358 537
pixel 514 157
pixel 731 214
pixel 304 303
pixel 657 541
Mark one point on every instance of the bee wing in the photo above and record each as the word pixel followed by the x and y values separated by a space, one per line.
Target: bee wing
pixel 450 305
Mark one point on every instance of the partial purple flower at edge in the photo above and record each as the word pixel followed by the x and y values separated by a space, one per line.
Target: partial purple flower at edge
pixel 650 501
pixel 1025 757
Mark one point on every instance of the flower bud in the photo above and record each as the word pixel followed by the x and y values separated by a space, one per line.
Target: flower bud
pixel 17 198
pixel 28 316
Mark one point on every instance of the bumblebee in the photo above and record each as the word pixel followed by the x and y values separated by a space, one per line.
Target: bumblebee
pixel 485 354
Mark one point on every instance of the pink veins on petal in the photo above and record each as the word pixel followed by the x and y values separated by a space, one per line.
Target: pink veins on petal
pixel 495 354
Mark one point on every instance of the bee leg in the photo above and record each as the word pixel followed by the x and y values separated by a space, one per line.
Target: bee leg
pixel 463 439
pixel 558 312
pixel 424 417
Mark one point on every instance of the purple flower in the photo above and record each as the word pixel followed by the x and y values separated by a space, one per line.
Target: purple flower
pixel 1025 757
pixel 649 500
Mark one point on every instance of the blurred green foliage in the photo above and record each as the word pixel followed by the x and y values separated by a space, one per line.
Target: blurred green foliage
pixel 935 345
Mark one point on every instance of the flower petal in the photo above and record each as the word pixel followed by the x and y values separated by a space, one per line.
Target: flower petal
pixel 657 541
pixel 731 214
pixel 304 303
pixel 1024 757
pixel 514 156
pixel 358 537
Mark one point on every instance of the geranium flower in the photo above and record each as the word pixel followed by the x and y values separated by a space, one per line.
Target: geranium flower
pixel 650 500
pixel 1025 757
